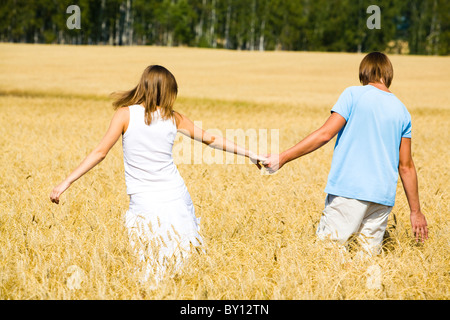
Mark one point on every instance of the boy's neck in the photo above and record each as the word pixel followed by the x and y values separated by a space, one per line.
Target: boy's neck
pixel 380 86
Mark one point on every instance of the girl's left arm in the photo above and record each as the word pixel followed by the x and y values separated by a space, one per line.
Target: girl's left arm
pixel 116 128
pixel 188 128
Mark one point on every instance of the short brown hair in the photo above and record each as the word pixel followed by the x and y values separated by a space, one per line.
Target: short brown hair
pixel 375 67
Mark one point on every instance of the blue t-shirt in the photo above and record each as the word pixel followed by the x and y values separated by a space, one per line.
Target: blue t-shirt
pixel 366 154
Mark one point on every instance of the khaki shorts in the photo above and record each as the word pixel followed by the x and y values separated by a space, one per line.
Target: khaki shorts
pixel 343 218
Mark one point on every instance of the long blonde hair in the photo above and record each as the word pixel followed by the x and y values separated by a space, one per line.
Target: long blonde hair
pixel 157 88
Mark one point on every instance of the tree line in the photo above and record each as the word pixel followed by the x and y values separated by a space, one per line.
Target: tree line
pixel 416 26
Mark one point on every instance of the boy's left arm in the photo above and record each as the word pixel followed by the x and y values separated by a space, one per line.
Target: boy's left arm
pixel 408 176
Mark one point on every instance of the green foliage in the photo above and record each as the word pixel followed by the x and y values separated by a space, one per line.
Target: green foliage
pixel 313 25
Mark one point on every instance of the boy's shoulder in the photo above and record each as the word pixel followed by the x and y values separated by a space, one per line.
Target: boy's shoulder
pixel 358 91
pixel 353 92
pixel 370 94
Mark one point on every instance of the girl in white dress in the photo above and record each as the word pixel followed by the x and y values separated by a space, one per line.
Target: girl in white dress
pixel 161 220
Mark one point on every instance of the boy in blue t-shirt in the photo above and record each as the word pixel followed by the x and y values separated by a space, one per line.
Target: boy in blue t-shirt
pixel 373 147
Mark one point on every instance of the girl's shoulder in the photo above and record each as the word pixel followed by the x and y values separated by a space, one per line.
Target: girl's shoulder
pixel 122 115
pixel 123 112
pixel 178 118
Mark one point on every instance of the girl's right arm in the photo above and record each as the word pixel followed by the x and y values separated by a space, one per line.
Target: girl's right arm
pixel 117 127
pixel 188 128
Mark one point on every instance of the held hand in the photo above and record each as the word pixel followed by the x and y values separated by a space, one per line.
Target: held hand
pixel 419 226
pixel 273 163
pixel 257 159
pixel 58 190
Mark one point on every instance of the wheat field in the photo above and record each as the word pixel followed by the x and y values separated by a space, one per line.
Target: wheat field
pixel 259 230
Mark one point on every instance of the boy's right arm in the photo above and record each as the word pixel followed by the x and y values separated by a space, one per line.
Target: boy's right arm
pixel 408 176
pixel 311 143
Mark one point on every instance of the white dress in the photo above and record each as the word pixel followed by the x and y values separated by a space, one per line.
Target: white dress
pixel 161 220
